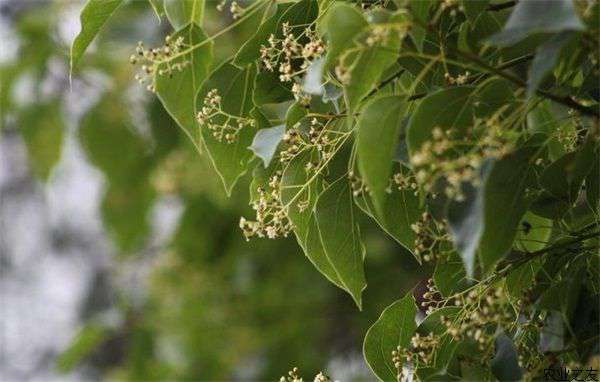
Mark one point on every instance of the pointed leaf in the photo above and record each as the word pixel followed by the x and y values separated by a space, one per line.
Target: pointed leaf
pixel 336 220
pixel 377 133
pixel 342 25
pixel 94 15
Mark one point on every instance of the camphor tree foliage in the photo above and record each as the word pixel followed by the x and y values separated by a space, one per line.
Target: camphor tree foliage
pixel 467 130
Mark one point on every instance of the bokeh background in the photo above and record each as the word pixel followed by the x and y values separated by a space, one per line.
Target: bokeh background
pixel 120 255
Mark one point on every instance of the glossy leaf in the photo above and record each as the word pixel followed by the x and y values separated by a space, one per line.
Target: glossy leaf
pixel 450 275
pixel 393 328
pixel 447 108
pixel 377 133
pixel 265 142
pixel 505 203
pixel 94 15
pixel 336 219
pixel 546 57
pixel 540 16
pixel 342 25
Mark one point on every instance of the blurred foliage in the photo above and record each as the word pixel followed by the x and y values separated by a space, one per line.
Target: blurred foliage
pixel 216 306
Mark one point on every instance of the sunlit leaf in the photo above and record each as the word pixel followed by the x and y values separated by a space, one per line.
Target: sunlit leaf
pixel 540 16
pixel 265 142
pixel 93 17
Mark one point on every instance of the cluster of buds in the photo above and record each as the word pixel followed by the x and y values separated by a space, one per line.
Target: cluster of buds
pixel 224 126
pixel 399 356
pixel 234 8
pixel 271 219
pixel 452 5
pixel 432 298
pixel 291 56
pixel 404 182
pixel 432 238
pixel 318 137
pixel 485 311
pixel 461 79
pixel 158 61
pixel 447 157
pixel 423 349
pixel 357 185
pixel 294 376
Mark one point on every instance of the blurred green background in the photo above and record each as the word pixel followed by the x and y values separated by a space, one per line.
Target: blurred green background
pixel 167 288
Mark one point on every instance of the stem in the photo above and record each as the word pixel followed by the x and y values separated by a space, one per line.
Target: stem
pixel 567 101
pixel 501 6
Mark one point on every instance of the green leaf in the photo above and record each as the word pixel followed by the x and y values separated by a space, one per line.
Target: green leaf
pixel 552 334
pixel 473 8
pixel 592 186
pixel 184 12
pixel 93 17
pixel 177 92
pixel 447 108
pixel 300 204
pixel 393 328
pixel 294 114
pixel 269 89
pixel 340 236
pixel 401 210
pixel 450 275
pixel 85 342
pixel 342 25
pixel 158 8
pixel 534 232
pixel 366 65
pixel 377 134
pixel 42 129
pixel 540 16
pixel 505 203
pixel 505 364
pixel 234 85
pixel 522 278
pixel 265 142
pixel 466 219
pixel 540 120
pixel 545 59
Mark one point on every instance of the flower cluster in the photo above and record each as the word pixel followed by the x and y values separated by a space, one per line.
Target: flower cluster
pixel 318 137
pixel 271 219
pixel 456 159
pixel 291 56
pixel 483 311
pixel 158 61
pixel 223 126
pixel 294 376
pixel 432 239
pixel 461 79
pixel 357 185
pixel 404 181
pixel 432 299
